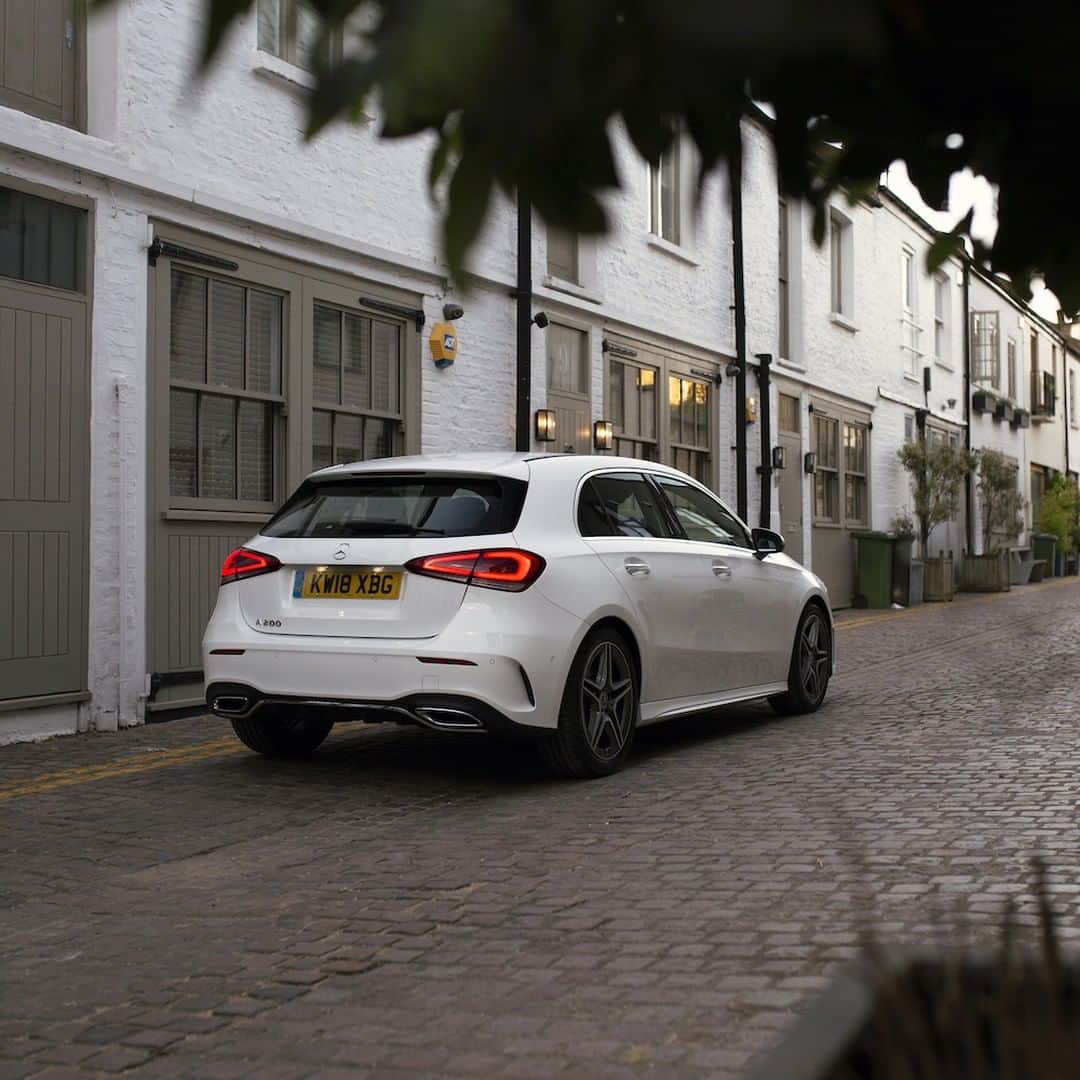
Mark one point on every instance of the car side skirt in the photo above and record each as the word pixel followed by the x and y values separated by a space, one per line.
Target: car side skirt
pixel 654 711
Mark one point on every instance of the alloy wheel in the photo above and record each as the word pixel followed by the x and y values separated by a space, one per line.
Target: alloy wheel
pixel 607 700
pixel 814 656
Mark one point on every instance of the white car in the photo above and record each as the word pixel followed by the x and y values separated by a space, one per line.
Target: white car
pixel 568 598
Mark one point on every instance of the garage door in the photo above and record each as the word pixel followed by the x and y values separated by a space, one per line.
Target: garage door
pixel 43 478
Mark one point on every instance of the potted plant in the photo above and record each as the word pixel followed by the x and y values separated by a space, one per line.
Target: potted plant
pixel 1000 505
pixel 907 585
pixel 1057 519
pixel 937 472
pixel 1006 1015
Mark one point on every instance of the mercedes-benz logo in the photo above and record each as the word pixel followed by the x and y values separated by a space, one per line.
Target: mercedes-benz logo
pixel 342 552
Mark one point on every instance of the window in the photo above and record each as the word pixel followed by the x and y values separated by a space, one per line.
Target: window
pixel 688 413
pixel 632 406
pixel 1040 478
pixel 984 347
pixel 389 506
pixel 855 474
pixel 225 389
pixel 39 58
pixel 664 201
pixel 941 318
pixel 1010 350
pixel 562 255
pixel 293 31
pixel 909 428
pixel 826 470
pixel 356 387
pixel 784 315
pixel 1073 419
pixel 788 419
pixel 700 516
pixel 620 504
pixel 841 265
pixel 42 241
pixel 909 327
pixel 1035 386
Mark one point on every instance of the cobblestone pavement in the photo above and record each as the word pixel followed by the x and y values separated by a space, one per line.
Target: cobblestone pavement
pixel 410 904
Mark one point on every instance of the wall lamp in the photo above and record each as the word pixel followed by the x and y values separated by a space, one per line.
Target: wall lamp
pixel 603 434
pixel 809 462
pixel 779 457
pixel 541 319
pixel 545 425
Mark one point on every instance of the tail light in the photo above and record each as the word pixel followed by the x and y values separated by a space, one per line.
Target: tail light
pixel 509 569
pixel 245 563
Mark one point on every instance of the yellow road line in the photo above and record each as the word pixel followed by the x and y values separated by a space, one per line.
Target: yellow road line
pixel 887 616
pixel 150 762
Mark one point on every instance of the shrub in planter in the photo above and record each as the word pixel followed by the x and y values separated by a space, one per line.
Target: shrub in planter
pixel 1059 512
pixel 1000 503
pixel 1012 1015
pixel 937 472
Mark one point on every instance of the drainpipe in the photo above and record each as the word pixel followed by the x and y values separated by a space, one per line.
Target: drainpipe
pixel 522 425
pixel 969 498
pixel 765 469
pixel 1064 392
pixel 735 169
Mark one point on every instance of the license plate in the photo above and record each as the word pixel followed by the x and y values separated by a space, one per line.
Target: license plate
pixel 347 583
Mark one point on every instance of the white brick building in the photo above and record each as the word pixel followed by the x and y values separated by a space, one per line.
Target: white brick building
pixel 196 308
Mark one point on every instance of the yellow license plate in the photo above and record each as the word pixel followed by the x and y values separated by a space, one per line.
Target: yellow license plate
pixel 348 583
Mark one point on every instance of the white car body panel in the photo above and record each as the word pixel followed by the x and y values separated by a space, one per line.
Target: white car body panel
pixel 704 639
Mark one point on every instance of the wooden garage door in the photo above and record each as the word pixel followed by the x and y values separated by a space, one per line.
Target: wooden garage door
pixel 43 488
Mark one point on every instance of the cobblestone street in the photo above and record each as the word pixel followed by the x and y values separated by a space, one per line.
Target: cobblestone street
pixel 407 903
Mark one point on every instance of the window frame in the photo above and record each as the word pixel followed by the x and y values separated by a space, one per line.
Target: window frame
pixel 670 524
pixel 942 313
pixel 979 369
pixel 783 276
pixel 573 249
pixel 841 266
pixel 846 425
pixel 203 390
pixel 1074 421
pixel 659 479
pixel 673 156
pixel 285 48
pixel 1012 370
pixel 833 470
pixel 620 434
pixel 909 313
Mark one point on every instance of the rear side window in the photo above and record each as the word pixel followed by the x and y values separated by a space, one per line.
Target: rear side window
pixel 384 506
pixel 620 505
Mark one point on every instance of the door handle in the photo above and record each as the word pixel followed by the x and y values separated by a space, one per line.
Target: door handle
pixel 634 567
pixel 721 569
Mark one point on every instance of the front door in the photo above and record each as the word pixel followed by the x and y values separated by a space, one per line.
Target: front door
pixel 791 477
pixel 44 454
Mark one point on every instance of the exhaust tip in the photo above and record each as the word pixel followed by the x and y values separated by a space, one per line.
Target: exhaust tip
pixel 230 704
pixel 447 719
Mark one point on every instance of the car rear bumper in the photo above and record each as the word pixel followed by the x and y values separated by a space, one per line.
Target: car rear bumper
pixel 500 660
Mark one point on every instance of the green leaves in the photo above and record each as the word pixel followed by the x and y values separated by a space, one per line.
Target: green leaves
pixel 526 94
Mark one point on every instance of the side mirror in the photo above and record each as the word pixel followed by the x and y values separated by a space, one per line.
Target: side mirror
pixel 766 542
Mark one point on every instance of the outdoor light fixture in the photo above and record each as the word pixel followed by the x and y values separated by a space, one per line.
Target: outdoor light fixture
pixel 809 462
pixel 541 319
pixel 779 457
pixel 545 425
pixel 603 434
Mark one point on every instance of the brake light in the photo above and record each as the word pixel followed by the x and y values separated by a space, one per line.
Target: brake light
pixel 245 563
pixel 510 569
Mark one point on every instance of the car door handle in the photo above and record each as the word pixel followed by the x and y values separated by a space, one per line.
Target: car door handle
pixel 721 569
pixel 635 567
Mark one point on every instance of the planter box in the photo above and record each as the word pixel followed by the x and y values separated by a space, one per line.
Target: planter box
pixel 1003 410
pixel 1021 418
pixel 984 573
pixel 937 580
pixel 982 401
pixel 852 1031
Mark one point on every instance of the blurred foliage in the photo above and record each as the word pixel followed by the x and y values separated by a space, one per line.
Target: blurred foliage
pixel 937 473
pixel 1000 501
pixel 526 94
pixel 1059 511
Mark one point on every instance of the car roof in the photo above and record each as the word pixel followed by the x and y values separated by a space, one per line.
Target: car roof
pixel 494 463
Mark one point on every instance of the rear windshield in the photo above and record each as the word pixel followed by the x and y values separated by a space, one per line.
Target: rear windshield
pixel 384 506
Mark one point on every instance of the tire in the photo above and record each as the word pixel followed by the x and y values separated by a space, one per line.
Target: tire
pixel 278 734
pixel 811 665
pixel 599 710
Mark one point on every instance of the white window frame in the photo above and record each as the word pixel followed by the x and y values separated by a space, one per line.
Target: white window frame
pixel 979 373
pixel 1012 372
pixel 1073 421
pixel 841 268
pixel 942 318
pixel 673 155
pixel 909 314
